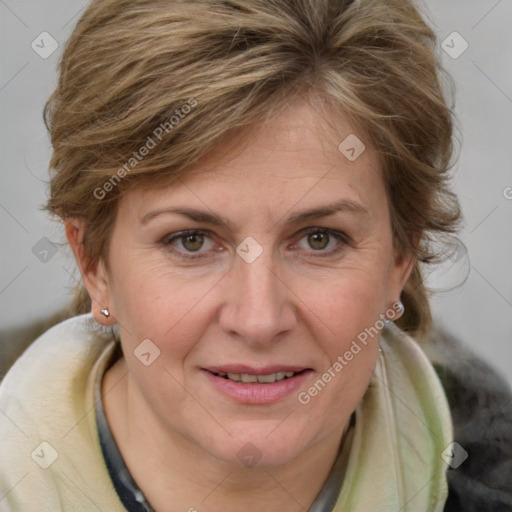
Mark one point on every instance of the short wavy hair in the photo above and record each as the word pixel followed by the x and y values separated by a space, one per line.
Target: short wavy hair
pixel 131 65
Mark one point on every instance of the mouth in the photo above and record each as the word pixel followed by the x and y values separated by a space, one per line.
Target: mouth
pixel 256 385
pixel 248 378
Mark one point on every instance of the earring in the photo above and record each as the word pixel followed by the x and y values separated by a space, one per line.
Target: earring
pixel 395 312
pixel 106 312
pixel 400 309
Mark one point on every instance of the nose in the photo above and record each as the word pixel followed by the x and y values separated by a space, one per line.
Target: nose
pixel 258 304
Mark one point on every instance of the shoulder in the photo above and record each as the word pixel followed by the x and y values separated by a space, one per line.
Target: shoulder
pixel 480 401
pixel 60 352
pixel 47 421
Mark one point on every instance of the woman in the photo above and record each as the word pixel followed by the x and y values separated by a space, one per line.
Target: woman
pixel 249 189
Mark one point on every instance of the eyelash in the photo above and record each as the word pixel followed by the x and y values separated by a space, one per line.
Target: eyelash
pixel 342 238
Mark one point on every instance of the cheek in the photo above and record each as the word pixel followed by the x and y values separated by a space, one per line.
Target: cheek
pixel 168 306
pixel 347 323
pixel 344 307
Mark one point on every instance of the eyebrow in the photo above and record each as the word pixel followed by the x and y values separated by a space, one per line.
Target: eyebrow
pixel 329 209
pixel 297 218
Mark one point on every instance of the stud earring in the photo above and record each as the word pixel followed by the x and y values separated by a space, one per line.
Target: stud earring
pixel 106 312
pixel 395 312
pixel 400 309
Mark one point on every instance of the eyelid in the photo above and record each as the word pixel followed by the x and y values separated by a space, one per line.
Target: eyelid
pixel 334 232
pixel 178 234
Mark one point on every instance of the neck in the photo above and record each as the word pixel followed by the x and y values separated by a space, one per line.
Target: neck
pixel 170 468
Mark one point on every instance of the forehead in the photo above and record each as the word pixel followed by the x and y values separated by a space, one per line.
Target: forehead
pixel 293 158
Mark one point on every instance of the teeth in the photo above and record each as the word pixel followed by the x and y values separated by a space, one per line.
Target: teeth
pixel 268 378
pixel 264 379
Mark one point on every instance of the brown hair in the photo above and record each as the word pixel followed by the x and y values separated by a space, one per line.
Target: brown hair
pixel 199 69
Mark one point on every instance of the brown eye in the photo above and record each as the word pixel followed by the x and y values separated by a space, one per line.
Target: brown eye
pixel 192 242
pixel 323 242
pixel 318 240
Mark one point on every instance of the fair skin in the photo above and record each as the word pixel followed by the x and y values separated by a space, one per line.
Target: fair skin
pixel 299 304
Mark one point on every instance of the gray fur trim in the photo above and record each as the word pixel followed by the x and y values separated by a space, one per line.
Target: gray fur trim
pixel 481 405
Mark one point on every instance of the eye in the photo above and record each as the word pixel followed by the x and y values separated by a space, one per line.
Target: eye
pixel 189 242
pixel 323 241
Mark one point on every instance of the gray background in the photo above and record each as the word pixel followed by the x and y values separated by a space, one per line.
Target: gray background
pixel 37 273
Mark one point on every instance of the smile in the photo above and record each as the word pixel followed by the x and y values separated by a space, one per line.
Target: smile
pixel 262 379
pixel 256 386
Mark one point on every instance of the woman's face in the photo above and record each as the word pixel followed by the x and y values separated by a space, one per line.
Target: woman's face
pixel 264 262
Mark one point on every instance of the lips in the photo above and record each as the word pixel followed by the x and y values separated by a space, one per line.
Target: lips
pixel 250 385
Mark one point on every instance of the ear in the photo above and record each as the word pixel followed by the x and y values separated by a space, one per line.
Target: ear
pixel 403 265
pixel 94 276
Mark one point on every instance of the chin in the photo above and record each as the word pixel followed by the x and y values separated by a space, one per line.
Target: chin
pixel 252 447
